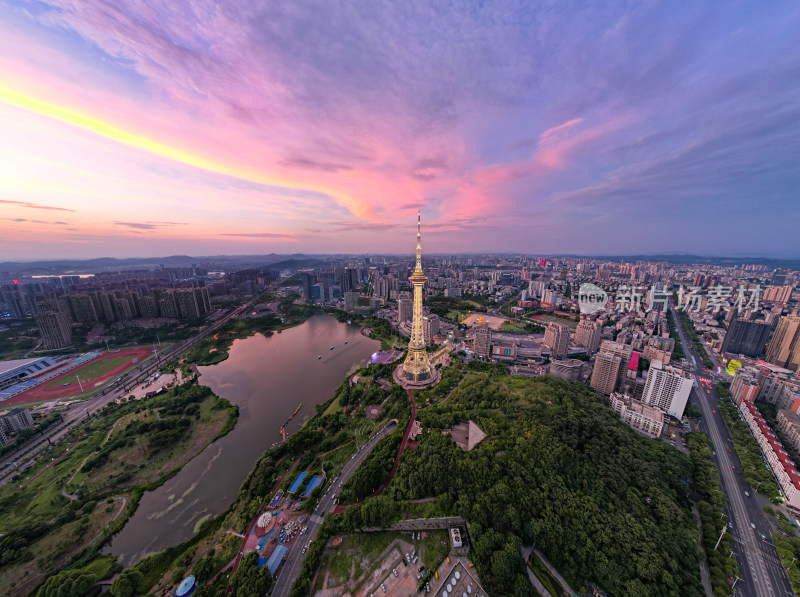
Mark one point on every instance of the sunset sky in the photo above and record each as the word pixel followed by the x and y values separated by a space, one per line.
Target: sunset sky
pixel 198 127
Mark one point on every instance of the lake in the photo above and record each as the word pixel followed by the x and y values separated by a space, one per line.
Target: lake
pixel 268 378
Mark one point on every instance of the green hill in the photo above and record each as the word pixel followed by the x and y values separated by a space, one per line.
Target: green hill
pixel 558 468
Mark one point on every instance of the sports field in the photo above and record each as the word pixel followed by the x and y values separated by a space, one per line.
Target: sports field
pixel 93 375
pixel 92 370
pixel 548 318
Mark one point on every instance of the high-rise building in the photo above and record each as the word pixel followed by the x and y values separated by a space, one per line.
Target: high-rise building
pixel 405 309
pixel 743 387
pixel 417 368
pixel 123 308
pixel 624 352
pixel 381 289
pixel 104 306
pixel 556 338
pixel 351 300
pixel 82 309
pixel 53 321
pixel 607 366
pixel 746 337
pixel 305 286
pixel 668 388
pixel 430 328
pixel 789 426
pixel 16 420
pixel 168 306
pixel 483 339
pixel 536 288
pixel 782 391
pixel 588 334
pixel 350 279
pixel 777 294
pixel 203 300
pixel 784 348
pixel 148 307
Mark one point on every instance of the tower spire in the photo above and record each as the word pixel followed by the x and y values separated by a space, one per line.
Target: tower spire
pixel 419 243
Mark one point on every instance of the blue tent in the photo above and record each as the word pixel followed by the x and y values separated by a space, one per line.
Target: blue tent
pixel 276 558
pixel 315 482
pixel 297 482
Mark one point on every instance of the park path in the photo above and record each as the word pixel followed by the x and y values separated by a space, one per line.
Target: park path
pixel 402 446
pixel 73 496
pixel 537 584
pixel 554 572
pixel 44 470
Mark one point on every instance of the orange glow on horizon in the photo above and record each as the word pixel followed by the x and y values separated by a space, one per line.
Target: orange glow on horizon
pixel 358 208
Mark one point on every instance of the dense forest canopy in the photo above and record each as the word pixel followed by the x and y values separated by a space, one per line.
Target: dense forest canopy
pixel 558 468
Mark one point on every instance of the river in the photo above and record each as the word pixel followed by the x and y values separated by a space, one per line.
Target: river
pixel 267 378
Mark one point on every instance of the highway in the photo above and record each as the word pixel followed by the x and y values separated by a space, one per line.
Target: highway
pixel 112 390
pixel 290 569
pixel 762 574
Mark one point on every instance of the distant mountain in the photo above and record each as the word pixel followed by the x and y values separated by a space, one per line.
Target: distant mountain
pixel 60 267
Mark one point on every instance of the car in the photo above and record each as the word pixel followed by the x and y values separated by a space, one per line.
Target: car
pixel 383 586
pixel 747 493
pixel 733 466
pixel 421 568
pixel 713 411
pixel 752 526
pixel 394 571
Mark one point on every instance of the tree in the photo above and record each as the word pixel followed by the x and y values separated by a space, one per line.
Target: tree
pixel 126 582
pixel 250 580
pixel 692 411
pixel 67 583
pixel 545 473
pixel 204 569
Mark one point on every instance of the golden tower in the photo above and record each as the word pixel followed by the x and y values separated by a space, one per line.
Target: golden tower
pixel 417 368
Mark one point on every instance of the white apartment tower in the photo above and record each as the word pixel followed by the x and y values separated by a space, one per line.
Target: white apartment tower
pixel 668 388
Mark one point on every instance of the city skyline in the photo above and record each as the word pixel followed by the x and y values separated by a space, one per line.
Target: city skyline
pixel 145 131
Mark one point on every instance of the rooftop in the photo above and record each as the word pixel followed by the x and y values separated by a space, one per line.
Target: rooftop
pixel 9 365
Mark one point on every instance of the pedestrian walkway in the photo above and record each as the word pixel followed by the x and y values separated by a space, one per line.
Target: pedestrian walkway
pixel 554 572
pixel 402 446
pixel 537 584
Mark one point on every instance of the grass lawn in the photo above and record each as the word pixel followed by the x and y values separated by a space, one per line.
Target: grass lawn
pixel 545 319
pixel 93 370
pixel 511 326
pixel 458 316
pixel 334 408
pixel 433 549
pixel 132 459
